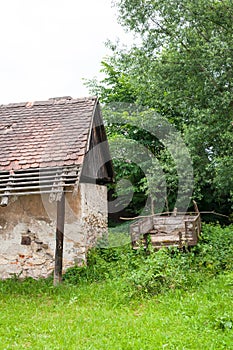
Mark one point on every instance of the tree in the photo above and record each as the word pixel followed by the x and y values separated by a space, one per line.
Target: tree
pixel 115 87
pixel 183 68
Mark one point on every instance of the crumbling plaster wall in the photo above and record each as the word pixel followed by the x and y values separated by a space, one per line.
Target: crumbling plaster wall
pixel 28 227
pixel 94 212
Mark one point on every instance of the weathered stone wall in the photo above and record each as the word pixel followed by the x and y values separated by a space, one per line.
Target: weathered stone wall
pixel 28 227
pixel 94 212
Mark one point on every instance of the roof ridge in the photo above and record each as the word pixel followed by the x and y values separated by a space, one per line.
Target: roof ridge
pixel 50 101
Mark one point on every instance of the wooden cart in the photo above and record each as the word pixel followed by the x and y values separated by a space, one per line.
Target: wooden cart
pixel 176 230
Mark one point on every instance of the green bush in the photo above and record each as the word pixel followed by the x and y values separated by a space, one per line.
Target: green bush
pixel 214 252
pixel 148 273
pixel 172 268
pixel 102 264
pixel 97 269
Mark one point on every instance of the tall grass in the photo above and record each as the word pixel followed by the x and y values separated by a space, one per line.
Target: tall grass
pixel 128 300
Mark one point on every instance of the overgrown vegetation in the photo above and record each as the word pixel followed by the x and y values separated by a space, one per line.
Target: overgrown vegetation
pixel 181 67
pixel 170 299
pixel 149 272
pixel 128 300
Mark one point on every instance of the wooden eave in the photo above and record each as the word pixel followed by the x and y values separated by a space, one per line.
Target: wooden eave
pixel 97 153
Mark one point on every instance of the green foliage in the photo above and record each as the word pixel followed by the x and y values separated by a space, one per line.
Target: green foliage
pixel 128 300
pixel 214 252
pixel 149 274
pixel 115 87
pixel 150 154
pixel 102 264
pixel 182 67
pixel 175 269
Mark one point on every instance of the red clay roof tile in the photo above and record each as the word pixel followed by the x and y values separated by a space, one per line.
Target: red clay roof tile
pixel 45 133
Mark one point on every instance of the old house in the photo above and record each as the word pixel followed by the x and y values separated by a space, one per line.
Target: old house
pixel 54 165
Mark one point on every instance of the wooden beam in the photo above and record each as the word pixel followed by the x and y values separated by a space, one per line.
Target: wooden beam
pixel 33 192
pixel 59 240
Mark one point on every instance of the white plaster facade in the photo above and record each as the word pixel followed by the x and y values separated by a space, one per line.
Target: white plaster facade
pixel 28 231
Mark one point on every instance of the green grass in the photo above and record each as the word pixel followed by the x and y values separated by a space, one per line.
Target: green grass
pixel 119 235
pixel 128 300
pixel 35 315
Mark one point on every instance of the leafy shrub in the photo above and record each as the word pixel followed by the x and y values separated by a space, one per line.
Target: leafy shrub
pixel 102 264
pixel 96 269
pixel 162 270
pixel 172 268
pixel 215 249
pixel 148 273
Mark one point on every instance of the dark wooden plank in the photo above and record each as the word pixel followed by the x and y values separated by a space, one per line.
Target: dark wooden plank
pixel 59 240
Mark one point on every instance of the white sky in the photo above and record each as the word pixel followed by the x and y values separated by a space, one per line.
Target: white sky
pixel 48 46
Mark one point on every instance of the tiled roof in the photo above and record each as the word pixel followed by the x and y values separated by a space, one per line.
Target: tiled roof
pixel 51 133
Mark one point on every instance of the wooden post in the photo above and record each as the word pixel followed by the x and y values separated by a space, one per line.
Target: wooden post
pixel 59 240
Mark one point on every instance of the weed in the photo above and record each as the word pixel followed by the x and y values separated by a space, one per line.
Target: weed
pixel 153 273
